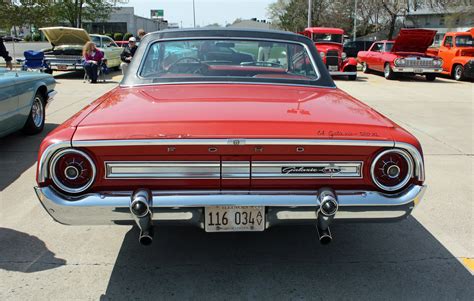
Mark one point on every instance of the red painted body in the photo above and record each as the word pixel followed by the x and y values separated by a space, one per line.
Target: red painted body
pixel 410 42
pixel 344 64
pixel 451 53
pixel 229 111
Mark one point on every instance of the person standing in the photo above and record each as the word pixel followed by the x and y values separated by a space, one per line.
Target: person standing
pixel 128 53
pixel 140 34
pixel 4 54
pixel 92 60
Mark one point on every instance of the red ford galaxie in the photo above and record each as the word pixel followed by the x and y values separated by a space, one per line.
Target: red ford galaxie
pixel 205 130
pixel 405 55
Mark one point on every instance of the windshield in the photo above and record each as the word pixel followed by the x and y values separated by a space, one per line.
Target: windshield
pixel 96 41
pixel 388 47
pixel 464 41
pixel 327 37
pixel 227 60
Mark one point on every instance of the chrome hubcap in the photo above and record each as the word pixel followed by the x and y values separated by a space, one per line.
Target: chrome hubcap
pixel 37 112
pixel 387 70
pixel 458 72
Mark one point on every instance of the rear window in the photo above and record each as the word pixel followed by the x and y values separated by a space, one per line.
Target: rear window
pixel 226 60
pixel 327 37
pixel 464 41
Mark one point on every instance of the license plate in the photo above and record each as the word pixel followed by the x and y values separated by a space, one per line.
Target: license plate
pixel 333 68
pixel 418 71
pixel 62 67
pixel 234 218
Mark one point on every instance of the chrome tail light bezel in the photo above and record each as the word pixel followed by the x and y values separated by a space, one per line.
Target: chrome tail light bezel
pixel 52 171
pixel 410 173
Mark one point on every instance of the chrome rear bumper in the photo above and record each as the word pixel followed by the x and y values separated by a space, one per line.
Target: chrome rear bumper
pixel 186 207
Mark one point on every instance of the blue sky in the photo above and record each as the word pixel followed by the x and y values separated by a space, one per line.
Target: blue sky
pixel 207 11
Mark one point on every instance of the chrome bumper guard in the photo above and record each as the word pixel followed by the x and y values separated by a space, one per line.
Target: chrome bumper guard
pixel 187 207
pixel 337 73
pixel 417 70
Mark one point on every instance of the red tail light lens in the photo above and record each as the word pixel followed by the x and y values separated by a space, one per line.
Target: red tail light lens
pixel 72 171
pixel 392 169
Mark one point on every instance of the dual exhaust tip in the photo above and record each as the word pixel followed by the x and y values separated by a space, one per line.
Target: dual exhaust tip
pixel 141 203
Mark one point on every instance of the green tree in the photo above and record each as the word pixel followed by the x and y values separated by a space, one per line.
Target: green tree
pixel 75 12
pixel 26 12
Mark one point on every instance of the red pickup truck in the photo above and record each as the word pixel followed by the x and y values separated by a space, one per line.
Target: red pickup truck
pixel 457 52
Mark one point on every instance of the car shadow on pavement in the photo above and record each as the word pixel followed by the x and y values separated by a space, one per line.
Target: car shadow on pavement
pixel 25 253
pixel 18 152
pixel 365 261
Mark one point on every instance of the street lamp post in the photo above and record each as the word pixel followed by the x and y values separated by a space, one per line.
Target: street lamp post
pixel 355 21
pixel 194 14
pixel 310 5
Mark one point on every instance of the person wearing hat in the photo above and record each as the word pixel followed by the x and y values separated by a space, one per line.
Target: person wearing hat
pixel 4 54
pixel 128 53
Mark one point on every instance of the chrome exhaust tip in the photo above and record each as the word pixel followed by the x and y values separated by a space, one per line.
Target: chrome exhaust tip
pixel 146 237
pixel 325 236
pixel 140 204
pixel 328 202
pixel 140 207
pixel 327 210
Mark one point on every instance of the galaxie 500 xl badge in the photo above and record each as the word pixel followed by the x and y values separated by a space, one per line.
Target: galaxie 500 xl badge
pixel 310 170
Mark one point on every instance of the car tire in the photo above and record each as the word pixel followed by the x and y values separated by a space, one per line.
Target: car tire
pixel 458 72
pixel 35 122
pixel 430 77
pixel 388 72
pixel 365 68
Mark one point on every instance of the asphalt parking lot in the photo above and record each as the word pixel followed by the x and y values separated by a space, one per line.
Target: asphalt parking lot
pixel 429 256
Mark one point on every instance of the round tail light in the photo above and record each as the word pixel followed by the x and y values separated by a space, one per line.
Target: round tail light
pixel 72 170
pixel 392 169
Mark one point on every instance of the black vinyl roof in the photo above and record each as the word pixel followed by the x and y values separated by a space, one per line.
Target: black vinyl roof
pixel 229 32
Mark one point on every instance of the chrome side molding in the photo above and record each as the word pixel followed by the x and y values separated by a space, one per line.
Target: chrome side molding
pixel 162 170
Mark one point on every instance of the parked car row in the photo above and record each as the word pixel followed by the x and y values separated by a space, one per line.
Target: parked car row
pixel 408 53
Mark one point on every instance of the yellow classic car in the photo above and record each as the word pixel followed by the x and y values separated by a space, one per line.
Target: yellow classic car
pixel 67 43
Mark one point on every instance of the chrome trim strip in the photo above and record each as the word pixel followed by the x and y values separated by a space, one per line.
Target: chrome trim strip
pixel 46 156
pixel 162 170
pixel 299 169
pixel 101 209
pixel 417 157
pixel 235 170
pixel 231 141
pixel 226 83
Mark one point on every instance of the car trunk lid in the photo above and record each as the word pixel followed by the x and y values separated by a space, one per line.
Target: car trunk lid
pixel 58 36
pixel 231 111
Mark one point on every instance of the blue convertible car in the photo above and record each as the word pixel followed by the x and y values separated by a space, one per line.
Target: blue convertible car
pixel 23 100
